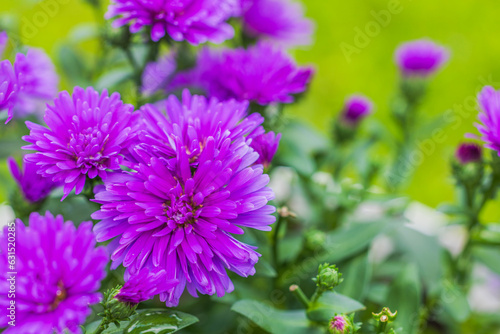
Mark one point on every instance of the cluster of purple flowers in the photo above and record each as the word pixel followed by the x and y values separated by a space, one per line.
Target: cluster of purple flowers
pixel 28 84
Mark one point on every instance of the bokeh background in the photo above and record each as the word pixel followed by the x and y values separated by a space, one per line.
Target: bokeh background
pixel 352 52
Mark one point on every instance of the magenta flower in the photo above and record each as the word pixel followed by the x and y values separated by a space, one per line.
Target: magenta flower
pixel 262 74
pixel 33 186
pixel 420 57
pixel 468 152
pixel 58 274
pixel 266 144
pixel 86 135
pixel 145 285
pixel 356 108
pixel 192 185
pixel 338 324
pixel 38 82
pixel 489 116
pixel 196 21
pixel 279 21
pixel 8 88
pixel 157 75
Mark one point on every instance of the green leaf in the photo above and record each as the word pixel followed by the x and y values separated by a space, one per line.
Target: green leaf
pixel 264 268
pixel 405 297
pixel 455 302
pixel 112 329
pixel 330 303
pixel 273 320
pixel 159 321
pixel 356 274
pixel 489 256
pixel 113 78
pixel 73 66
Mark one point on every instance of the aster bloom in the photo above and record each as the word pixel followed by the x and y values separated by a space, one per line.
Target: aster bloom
pixel 279 21
pixel 489 103
pixel 420 57
pixel 193 183
pixel 356 108
pixel 266 144
pixel 157 75
pixel 338 325
pixel 196 21
pixel 33 186
pixel 145 285
pixel 262 73
pixel 86 134
pixel 59 271
pixel 468 152
pixel 8 88
pixel 38 82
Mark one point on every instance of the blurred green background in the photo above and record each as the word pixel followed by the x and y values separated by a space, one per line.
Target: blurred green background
pixel 468 28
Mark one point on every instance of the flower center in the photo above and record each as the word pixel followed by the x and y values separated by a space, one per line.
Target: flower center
pixel 60 296
pixel 181 212
pixel 87 146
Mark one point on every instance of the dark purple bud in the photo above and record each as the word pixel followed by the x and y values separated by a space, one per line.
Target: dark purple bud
pixel 468 152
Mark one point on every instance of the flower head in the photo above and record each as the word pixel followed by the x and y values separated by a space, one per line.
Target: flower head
pixel 8 88
pixel 266 144
pixel 86 134
pixel 33 186
pixel 196 21
pixel 59 271
pixel 489 103
pixel 356 108
pixel 338 325
pixel 279 21
pixel 145 285
pixel 262 74
pixel 420 58
pixel 192 184
pixel 468 152
pixel 38 82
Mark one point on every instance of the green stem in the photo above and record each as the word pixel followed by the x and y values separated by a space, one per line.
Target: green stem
pixel 275 249
pixel 102 327
pixel 299 294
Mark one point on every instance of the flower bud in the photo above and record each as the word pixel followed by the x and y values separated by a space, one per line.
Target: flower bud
pixel 328 277
pixel 339 324
pixel 468 152
pixel 385 315
pixel 356 108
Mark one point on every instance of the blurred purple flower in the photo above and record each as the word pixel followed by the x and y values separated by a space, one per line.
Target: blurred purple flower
pixel 262 73
pixel 3 42
pixel 489 116
pixel 38 82
pixel 266 144
pixel 468 152
pixel 157 75
pixel 193 183
pixel 33 186
pixel 86 135
pixel 59 271
pixel 145 285
pixel 279 21
pixel 9 88
pixel 420 57
pixel 196 21
pixel 356 108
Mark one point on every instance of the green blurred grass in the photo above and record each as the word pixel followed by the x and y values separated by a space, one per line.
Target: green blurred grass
pixel 468 28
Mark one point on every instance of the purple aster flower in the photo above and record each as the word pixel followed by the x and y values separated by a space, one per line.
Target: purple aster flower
pixel 8 88
pixel 262 73
pixel 489 103
pixel 145 285
pixel 157 75
pixel 86 136
pixel 196 21
pixel 338 324
pixel 356 108
pixel 38 82
pixel 33 186
pixel 279 21
pixel 468 152
pixel 59 271
pixel 420 58
pixel 266 144
pixel 193 184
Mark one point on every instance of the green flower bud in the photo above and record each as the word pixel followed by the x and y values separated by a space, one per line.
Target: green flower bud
pixel 328 277
pixel 115 310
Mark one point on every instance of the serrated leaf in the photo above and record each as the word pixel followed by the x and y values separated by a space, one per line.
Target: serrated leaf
pixel 330 303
